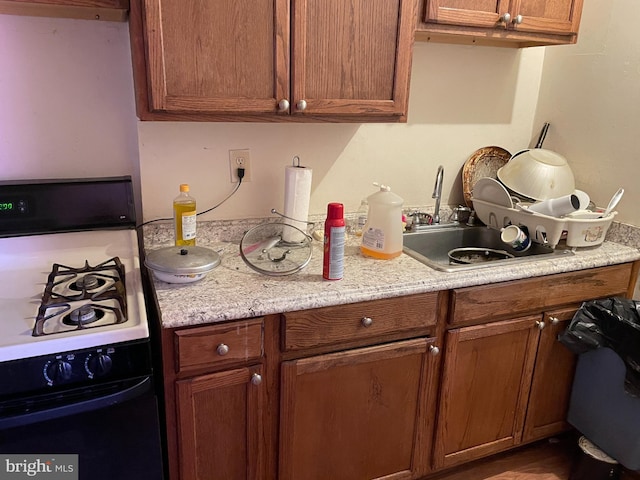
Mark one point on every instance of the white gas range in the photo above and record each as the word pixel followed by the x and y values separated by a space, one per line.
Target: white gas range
pixel 75 349
pixel 33 326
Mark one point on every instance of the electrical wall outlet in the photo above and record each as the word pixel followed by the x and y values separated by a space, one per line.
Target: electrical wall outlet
pixel 240 159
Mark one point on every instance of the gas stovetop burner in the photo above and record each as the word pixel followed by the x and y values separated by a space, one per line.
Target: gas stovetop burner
pixel 82 316
pixel 87 283
pixel 80 298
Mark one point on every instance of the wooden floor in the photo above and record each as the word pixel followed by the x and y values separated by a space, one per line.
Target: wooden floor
pixel 547 460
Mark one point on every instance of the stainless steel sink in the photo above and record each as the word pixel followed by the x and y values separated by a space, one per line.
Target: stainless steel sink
pixel 432 247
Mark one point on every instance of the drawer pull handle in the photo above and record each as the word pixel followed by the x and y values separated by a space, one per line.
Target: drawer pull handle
pixel 367 321
pixel 222 349
pixel 256 379
pixel 553 320
pixel 540 324
pixel 433 350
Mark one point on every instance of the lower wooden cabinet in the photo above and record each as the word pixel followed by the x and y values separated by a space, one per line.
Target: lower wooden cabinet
pixel 485 387
pixel 504 383
pixel 359 414
pixel 552 380
pixel 221 423
pixel 361 391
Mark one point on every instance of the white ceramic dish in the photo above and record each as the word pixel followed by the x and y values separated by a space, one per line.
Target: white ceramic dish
pixel 490 190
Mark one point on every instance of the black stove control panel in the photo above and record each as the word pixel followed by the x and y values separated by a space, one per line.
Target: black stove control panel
pixel 75 369
pixel 78 367
pixel 30 207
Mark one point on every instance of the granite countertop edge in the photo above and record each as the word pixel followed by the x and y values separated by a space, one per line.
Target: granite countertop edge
pixel 233 291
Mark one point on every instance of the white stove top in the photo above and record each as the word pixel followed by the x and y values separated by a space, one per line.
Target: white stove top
pixel 25 264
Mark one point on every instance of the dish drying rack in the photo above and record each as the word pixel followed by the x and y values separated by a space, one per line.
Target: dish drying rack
pixel 544 229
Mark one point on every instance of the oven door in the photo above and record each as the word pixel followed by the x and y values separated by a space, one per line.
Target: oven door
pixel 115 435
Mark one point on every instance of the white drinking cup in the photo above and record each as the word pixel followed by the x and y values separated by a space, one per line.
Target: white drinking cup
pixel 515 237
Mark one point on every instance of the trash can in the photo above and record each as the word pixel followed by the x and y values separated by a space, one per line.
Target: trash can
pixel 593 464
pixel 605 396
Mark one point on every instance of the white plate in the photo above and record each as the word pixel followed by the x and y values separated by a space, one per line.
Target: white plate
pixel 492 191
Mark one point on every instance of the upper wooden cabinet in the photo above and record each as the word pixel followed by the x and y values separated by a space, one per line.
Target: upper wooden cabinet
pixel 272 60
pixel 111 10
pixel 514 22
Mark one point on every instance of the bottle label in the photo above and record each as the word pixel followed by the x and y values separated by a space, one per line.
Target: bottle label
pixel 337 240
pixel 373 238
pixel 189 225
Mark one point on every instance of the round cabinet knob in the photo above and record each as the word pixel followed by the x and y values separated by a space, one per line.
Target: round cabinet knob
pixel 540 324
pixel 256 379
pixel 58 370
pixel 517 20
pixel 506 18
pixel 366 321
pixel 301 105
pixel 99 364
pixel 554 320
pixel 222 349
pixel 433 350
pixel 283 105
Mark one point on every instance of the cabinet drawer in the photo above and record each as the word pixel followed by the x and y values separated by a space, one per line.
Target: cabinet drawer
pixel 400 317
pixel 219 344
pixel 508 299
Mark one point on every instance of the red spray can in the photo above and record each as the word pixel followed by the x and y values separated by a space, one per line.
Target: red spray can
pixel 334 241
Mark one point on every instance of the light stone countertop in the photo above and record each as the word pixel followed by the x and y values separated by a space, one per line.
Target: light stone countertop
pixel 234 291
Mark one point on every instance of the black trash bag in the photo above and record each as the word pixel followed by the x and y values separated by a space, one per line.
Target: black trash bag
pixel 611 322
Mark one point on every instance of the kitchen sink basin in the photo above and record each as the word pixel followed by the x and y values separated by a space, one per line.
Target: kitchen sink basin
pixel 432 247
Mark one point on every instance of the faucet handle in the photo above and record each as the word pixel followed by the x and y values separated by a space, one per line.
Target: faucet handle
pixel 472 219
pixel 460 213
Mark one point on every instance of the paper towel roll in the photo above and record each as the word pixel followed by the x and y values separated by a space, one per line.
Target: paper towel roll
pixel 297 194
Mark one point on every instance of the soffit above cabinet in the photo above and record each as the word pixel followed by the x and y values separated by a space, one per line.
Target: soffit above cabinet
pixel 109 10
pixel 507 23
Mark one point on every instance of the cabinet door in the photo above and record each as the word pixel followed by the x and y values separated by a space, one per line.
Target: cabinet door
pixel 552 380
pixel 220 425
pixel 359 414
pixel 485 387
pixel 217 56
pixel 352 57
pixel 547 16
pixel 471 13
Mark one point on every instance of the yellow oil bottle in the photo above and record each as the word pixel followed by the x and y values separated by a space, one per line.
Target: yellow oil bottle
pixel 184 217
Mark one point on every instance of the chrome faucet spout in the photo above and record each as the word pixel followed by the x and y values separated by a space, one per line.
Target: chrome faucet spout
pixel 437 194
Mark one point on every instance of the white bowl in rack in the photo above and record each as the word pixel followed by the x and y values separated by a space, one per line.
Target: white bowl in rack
pixel 538 174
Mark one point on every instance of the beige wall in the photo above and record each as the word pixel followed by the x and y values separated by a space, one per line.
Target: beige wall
pixel 590 93
pixel 66 99
pixel 462 98
pixel 67 110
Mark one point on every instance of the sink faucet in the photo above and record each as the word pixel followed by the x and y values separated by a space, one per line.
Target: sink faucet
pixel 437 193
